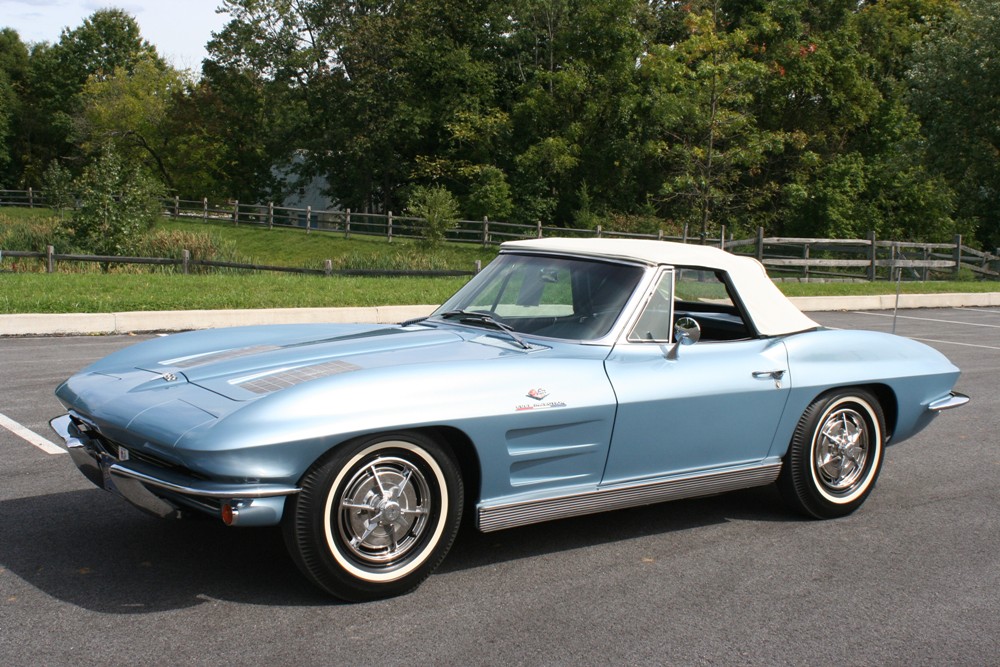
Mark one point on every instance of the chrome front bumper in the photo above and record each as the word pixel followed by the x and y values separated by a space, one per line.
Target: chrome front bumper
pixel 165 493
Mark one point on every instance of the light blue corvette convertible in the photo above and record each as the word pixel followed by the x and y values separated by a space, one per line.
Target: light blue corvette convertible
pixel 569 377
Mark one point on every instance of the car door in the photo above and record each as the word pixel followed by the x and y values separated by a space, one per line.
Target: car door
pixel 689 408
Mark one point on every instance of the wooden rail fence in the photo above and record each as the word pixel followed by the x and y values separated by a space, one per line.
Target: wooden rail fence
pixel 785 257
pixel 185 263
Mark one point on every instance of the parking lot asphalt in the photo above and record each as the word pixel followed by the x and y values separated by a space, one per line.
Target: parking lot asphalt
pixel 912 578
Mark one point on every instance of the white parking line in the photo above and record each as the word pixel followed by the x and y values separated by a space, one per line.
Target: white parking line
pixel 977 310
pixel 951 342
pixel 929 319
pixel 30 436
pixel 934 340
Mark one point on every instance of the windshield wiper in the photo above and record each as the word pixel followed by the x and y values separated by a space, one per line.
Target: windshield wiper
pixel 479 317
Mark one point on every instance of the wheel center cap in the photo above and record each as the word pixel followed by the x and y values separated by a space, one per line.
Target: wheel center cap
pixel 392 511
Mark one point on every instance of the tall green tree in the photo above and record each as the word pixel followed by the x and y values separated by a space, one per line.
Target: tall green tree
pixel 107 41
pixel 574 107
pixel 132 110
pixel 381 96
pixel 9 104
pixel 13 80
pixel 197 152
pixel 850 160
pixel 703 133
pixel 450 81
pixel 955 90
pixel 263 72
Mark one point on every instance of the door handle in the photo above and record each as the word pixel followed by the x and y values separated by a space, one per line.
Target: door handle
pixel 775 375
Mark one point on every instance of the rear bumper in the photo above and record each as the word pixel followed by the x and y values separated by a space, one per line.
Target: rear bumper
pixel 165 493
pixel 953 400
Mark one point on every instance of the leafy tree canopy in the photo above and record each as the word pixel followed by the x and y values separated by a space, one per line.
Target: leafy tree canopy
pixel 955 90
pixel 806 117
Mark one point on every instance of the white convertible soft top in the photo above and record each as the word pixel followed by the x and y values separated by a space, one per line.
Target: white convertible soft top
pixel 772 313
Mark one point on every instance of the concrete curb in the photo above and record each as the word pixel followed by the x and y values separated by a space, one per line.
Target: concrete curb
pixel 888 301
pixel 183 320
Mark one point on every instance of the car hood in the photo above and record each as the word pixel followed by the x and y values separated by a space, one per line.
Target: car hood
pixel 228 403
pixel 248 363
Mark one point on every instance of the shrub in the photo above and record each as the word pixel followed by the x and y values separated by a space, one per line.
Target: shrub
pixel 118 204
pixel 439 210
pixel 58 184
pixel 489 196
pixel 30 234
pixel 171 243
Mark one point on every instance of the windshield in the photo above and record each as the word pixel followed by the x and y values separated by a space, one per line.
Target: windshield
pixel 556 297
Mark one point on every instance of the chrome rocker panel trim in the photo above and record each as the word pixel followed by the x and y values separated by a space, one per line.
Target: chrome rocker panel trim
pixel 510 515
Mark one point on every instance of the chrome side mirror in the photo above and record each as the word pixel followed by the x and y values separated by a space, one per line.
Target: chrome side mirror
pixel 687 331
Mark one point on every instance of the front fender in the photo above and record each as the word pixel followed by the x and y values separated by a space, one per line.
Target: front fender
pixel 556 437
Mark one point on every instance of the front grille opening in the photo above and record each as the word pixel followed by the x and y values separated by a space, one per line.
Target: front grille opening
pixel 113 449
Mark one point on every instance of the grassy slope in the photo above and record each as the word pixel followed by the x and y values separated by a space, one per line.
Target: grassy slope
pixel 294 247
pixel 94 292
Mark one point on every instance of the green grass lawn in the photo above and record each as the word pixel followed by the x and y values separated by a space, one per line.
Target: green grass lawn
pixel 27 290
pixel 97 293
pixel 20 213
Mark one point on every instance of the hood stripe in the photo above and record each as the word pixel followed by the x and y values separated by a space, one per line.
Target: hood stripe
pixel 290 377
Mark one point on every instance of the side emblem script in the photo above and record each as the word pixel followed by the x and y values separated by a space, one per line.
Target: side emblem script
pixel 538 395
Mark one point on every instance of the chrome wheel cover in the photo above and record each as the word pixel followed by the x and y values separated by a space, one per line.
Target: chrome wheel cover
pixel 383 510
pixel 841 450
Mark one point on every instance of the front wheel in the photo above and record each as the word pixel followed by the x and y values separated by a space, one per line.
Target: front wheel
pixel 376 516
pixel 835 454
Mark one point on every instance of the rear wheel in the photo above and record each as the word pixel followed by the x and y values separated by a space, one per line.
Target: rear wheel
pixel 376 516
pixel 835 454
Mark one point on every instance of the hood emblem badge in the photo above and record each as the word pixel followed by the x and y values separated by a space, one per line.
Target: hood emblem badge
pixel 538 394
pixel 168 377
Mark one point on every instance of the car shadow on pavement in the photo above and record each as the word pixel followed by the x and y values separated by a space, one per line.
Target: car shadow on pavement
pixel 89 549
pixel 474 549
